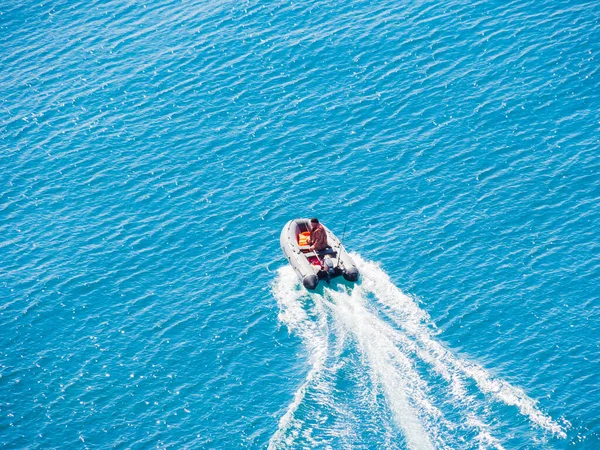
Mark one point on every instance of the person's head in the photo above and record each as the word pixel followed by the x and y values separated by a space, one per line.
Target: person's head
pixel 314 222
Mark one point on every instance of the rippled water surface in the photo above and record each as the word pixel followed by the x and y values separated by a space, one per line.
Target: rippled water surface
pixel 151 152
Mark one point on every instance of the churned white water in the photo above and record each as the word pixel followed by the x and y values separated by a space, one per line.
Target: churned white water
pixel 402 356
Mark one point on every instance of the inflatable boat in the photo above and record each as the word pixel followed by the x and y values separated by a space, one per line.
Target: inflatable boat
pixel 312 266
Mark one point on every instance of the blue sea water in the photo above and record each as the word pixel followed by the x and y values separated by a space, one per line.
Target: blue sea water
pixel 151 152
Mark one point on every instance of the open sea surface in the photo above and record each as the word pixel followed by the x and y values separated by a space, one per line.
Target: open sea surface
pixel 151 152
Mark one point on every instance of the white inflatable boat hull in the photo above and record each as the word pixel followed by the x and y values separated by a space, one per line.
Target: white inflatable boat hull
pixel 310 274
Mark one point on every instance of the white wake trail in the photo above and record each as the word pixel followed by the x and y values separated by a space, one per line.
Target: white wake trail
pixel 400 356
pixel 416 323
pixel 314 336
pixel 389 367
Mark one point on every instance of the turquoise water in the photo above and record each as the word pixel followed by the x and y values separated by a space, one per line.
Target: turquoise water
pixel 151 152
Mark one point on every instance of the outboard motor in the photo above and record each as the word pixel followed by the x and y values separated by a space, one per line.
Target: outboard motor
pixel 329 266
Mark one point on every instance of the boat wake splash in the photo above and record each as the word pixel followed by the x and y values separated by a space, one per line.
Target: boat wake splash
pixel 378 376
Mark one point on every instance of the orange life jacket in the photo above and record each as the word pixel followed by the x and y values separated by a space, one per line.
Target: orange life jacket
pixel 303 238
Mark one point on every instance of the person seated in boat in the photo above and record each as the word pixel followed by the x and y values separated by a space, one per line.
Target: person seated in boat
pixel 318 236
